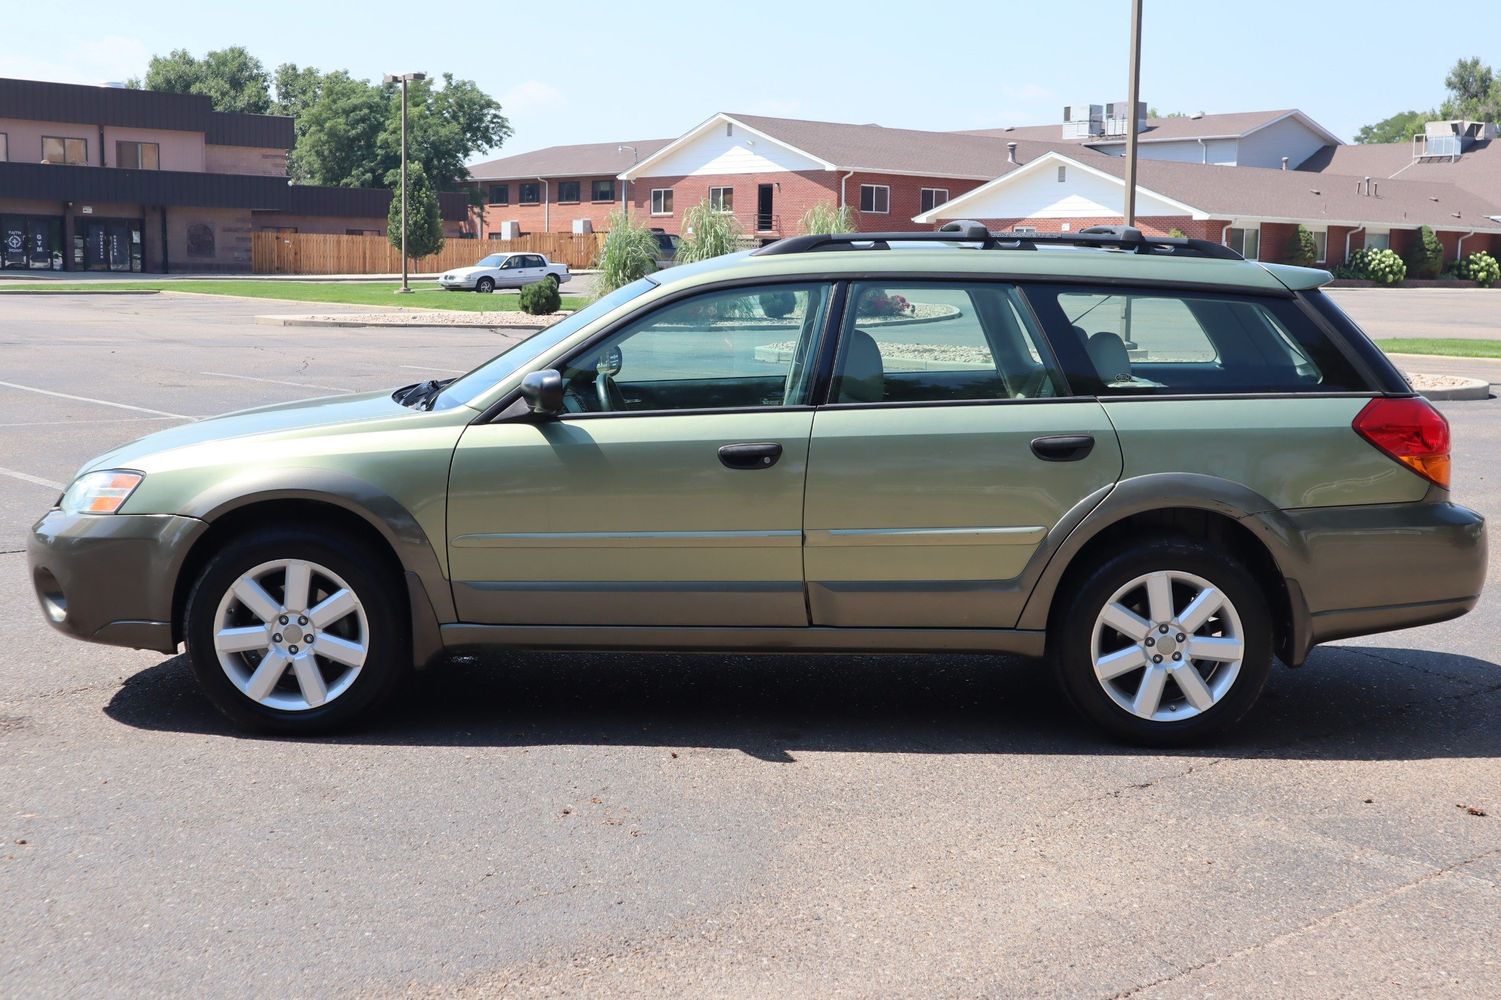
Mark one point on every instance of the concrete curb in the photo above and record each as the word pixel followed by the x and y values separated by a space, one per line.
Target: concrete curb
pixel 396 321
pixel 1474 388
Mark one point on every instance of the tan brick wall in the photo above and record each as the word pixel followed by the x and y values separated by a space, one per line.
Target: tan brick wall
pixel 265 162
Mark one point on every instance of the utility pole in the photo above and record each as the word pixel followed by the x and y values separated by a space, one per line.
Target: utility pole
pixel 1131 101
pixel 404 79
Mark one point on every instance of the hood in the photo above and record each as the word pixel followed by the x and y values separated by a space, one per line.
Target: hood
pixel 464 272
pixel 278 420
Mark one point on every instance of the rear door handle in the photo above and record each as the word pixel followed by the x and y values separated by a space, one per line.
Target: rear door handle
pixel 762 455
pixel 1063 447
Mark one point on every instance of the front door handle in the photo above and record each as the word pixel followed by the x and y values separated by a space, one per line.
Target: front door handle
pixel 762 455
pixel 1063 447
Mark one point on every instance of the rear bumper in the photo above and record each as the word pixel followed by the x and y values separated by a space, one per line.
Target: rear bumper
pixel 110 578
pixel 1381 567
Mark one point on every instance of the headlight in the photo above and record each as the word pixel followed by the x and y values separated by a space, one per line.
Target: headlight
pixel 100 492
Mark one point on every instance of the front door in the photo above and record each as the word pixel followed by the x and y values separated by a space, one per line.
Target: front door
pixel 669 492
pixel 948 453
pixel 765 208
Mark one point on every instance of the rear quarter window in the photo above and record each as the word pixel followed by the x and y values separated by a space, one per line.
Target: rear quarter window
pixel 1139 341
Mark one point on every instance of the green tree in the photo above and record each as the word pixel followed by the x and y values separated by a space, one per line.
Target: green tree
pixel 707 233
pixel 232 78
pixel 1400 127
pixel 629 252
pixel 296 88
pixel 424 221
pixel 1426 259
pixel 445 127
pixel 338 133
pixel 1469 84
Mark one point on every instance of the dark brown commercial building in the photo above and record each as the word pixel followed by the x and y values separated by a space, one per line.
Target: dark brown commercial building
pixel 108 179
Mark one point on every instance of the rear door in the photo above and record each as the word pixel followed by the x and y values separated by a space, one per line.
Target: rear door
pixel 949 451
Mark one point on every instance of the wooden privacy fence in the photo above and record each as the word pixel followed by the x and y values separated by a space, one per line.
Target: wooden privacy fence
pixel 316 253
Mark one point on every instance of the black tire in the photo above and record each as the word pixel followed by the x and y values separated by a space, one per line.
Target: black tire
pixel 388 660
pixel 1071 631
pixel 486 285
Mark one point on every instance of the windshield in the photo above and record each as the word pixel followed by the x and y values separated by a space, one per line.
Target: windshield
pixel 491 261
pixel 464 390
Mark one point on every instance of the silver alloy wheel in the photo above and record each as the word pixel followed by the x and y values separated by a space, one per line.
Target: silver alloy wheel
pixel 291 635
pixel 1167 646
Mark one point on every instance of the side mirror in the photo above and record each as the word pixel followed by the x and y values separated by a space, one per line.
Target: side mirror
pixel 543 391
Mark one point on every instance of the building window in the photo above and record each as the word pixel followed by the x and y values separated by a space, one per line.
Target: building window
pixel 1024 230
pixel 1062 173
pixel 1320 245
pixel 933 197
pixel 531 194
pixel 1246 242
pixel 568 190
pixel 1378 241
pixel 59 150
pixel 722 199
pixel 661 201
pixel 4 148
pixel 875 198
pixel 500 194
pixel 138 155
pixel 603 191
pixel 362 232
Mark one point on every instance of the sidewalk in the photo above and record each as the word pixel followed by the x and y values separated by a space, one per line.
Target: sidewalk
pixel 82 276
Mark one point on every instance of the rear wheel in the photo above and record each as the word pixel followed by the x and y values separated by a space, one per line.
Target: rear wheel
pixel 296 632
pixel 1165 643
pixel 485 285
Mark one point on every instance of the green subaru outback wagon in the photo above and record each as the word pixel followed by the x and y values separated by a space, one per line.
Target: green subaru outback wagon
pixel 1147 461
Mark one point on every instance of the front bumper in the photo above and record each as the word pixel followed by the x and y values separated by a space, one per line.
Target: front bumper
pixel 458 284
pixel 1382 567
pixel 110 578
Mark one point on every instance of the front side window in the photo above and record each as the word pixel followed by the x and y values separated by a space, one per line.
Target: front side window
pixel 603 191
pixel 1378 241
pixel 933 197
pixel 728 349
pixel 661 201
pixel 722 199
pixel 875 198
pixel 500 194
pixel 935 342
pixel 1146 342
pixel 1246 242
pixel 138 155
pixel 568 190
pixel 531 194
pixel 59 149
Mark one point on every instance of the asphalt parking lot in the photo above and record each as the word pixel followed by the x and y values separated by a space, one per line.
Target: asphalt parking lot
pixel 699 825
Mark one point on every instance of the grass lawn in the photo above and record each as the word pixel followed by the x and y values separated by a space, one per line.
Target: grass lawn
pixel 1448 347
pixel 425 295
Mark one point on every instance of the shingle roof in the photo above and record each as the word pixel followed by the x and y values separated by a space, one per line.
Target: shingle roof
pixel 1477 171
pixel 1234 124
pixel 586 159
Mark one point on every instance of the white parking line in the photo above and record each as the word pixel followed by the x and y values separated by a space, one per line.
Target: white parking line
pixel 63 423
pixel 426 368
pixel 30 479
pixel 98 402
pixel 277 381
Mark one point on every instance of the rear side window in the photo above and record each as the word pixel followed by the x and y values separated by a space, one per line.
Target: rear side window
pixel 1125 342
pixel 933 342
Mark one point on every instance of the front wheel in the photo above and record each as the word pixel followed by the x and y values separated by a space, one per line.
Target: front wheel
pixel 1165 643
pixel 486 285
pixel 297 632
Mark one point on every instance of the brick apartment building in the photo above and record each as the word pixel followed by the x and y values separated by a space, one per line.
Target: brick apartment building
pixel 109 179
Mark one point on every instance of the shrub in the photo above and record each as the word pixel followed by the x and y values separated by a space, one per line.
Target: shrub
pixel 882 304
pixel 1301 250
pixel 707 233
pixel 424 220
pixel 1427 257
pixel 540 298
pixel 778 303
pixel 826 217
pixel 1481 268
pixel 628 253
pixel 1176 234
pixel 1381 266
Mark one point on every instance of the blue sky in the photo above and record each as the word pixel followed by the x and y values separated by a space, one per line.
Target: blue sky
pixel 595 72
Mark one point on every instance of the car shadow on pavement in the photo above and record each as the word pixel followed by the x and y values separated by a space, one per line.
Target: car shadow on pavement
pixel 1349 702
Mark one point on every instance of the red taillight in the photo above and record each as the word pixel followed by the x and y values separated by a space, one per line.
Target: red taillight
pixel 1411 431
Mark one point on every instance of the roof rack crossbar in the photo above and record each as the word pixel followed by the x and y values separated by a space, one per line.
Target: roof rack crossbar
pixel 1120 238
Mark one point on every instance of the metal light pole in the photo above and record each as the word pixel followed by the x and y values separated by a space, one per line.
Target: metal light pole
pixel 1131 101
pixel 404 79
pixel 625 205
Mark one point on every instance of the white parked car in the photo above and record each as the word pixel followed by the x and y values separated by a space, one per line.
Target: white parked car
pixel 504 270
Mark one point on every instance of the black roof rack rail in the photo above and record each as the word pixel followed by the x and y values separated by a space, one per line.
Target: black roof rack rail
pixel 1120 238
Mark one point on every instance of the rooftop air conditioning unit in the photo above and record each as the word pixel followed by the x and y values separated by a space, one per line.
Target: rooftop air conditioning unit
pixel 1080 121
pixel 583 227
pixel 510 230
